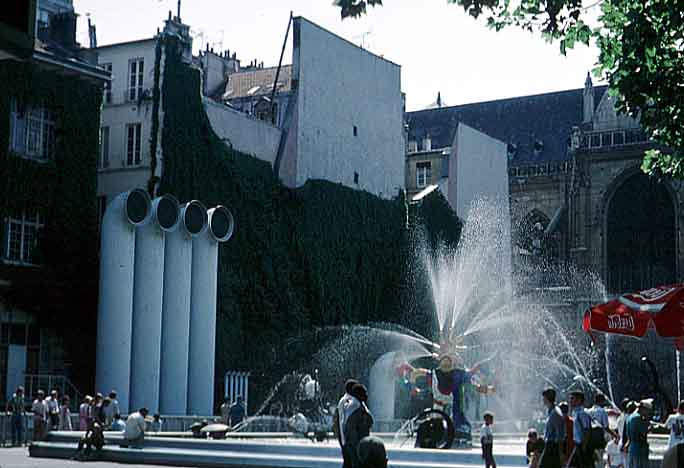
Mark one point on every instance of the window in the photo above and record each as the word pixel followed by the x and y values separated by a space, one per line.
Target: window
pixel 135 78
pixel 32 132
pixel 618 138
pixel 133 140
pixel 607 139
pixel 356 131
pixel 107 96
pixel 103 163
pixel 423 173
pixel 22 238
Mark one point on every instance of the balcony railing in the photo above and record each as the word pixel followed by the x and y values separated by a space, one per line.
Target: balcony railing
pixel 612 138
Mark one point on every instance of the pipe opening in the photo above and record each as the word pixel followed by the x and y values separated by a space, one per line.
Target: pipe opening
pixel 138 206
pixel 221 223
pixel 195 217
pixel 167 212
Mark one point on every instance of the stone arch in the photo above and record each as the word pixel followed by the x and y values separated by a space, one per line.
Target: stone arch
pixel 639 232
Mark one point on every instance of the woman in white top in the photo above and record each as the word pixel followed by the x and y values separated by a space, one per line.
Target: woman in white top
pixel 65 415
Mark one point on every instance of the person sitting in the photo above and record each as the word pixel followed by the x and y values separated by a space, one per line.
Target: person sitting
pixel 156 423
pixel 93 438
pixel 134 433
pixel 117 424
pixel 534 448
pixel 372 453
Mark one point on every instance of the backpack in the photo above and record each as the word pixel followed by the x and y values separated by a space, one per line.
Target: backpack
pixel 597 438
pixel 595 434
pixel 336 424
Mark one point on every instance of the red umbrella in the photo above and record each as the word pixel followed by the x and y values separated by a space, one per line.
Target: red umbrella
pixel 633 314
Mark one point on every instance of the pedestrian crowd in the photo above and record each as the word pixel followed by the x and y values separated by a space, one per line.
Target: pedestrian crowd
pixel 95 415
pixel 581 437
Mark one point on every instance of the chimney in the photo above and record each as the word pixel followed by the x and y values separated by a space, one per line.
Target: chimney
pixel 92 35
pixel 62 29
pixel 427 143
pixel 439 99
pixel 588 100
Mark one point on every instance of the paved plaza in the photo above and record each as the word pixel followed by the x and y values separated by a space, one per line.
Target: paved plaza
pixel 19 458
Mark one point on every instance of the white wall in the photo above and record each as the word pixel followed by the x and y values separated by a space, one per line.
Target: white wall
pixel 118 177
pixel 342 86
pixel 246 134
pixel 478 169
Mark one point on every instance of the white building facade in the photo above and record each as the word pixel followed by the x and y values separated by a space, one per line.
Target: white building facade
pixel 124 159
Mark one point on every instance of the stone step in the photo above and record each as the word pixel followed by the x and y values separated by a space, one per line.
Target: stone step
pixel 223 458
pixel 470 457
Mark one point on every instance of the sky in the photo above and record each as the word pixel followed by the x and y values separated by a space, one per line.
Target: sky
pixel 439 48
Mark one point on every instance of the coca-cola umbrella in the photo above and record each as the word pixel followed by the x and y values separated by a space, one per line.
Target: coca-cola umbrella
pixel 661 308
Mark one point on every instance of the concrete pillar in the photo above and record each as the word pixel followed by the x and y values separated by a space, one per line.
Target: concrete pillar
pixel 147 303
pixel 175 342
pixel 115 309
pixel 203 310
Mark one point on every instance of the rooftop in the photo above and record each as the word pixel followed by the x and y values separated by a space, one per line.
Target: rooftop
pixel 257 82
pixel 536 128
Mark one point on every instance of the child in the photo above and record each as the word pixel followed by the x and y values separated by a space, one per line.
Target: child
pixel 117 424
pixel 487 440
pixel 535 446
pixel 616 458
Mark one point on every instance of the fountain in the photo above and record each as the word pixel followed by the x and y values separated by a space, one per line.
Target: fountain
pixel 523 339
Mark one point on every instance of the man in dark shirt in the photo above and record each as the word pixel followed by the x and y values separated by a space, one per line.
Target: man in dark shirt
pixel 554 432
pixel 358 425
pixel 237 412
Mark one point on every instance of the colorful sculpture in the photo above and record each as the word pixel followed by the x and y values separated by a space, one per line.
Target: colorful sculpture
pixel 447 383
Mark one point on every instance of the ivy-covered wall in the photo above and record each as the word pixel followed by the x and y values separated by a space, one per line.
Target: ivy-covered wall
pixel 318 256
pixel 63 291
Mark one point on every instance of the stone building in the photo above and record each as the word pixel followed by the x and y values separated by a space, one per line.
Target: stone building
pixel 576 192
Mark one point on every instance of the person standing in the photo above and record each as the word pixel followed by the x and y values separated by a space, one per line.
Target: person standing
pixel 358 425
pixel 487 441
pixel 65 415
pixel 15 406
pixel 345 407
pixel 675 423
pixel 637 435
pixel 581 457
pixel 40 415
pixel 85 413
pixel 53 410
pixel 569 443
pixel 554 432
pixel 134 433
pixel 237 412
pixel 112 408
pixel 598 413
pixel 225 411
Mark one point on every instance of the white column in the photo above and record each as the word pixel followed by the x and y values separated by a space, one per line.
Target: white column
pixel 147 303
pixel 203 310
pixel 115 308
pixel 175 342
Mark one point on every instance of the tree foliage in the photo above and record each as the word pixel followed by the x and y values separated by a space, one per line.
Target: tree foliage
pixel 641 55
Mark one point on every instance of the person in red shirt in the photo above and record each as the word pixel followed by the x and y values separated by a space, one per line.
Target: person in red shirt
pixel 569 441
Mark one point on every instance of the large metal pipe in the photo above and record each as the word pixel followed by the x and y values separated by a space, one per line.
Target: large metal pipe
pixel 115 310
pixel 147 302
pixel 203 310
pixel 175 343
